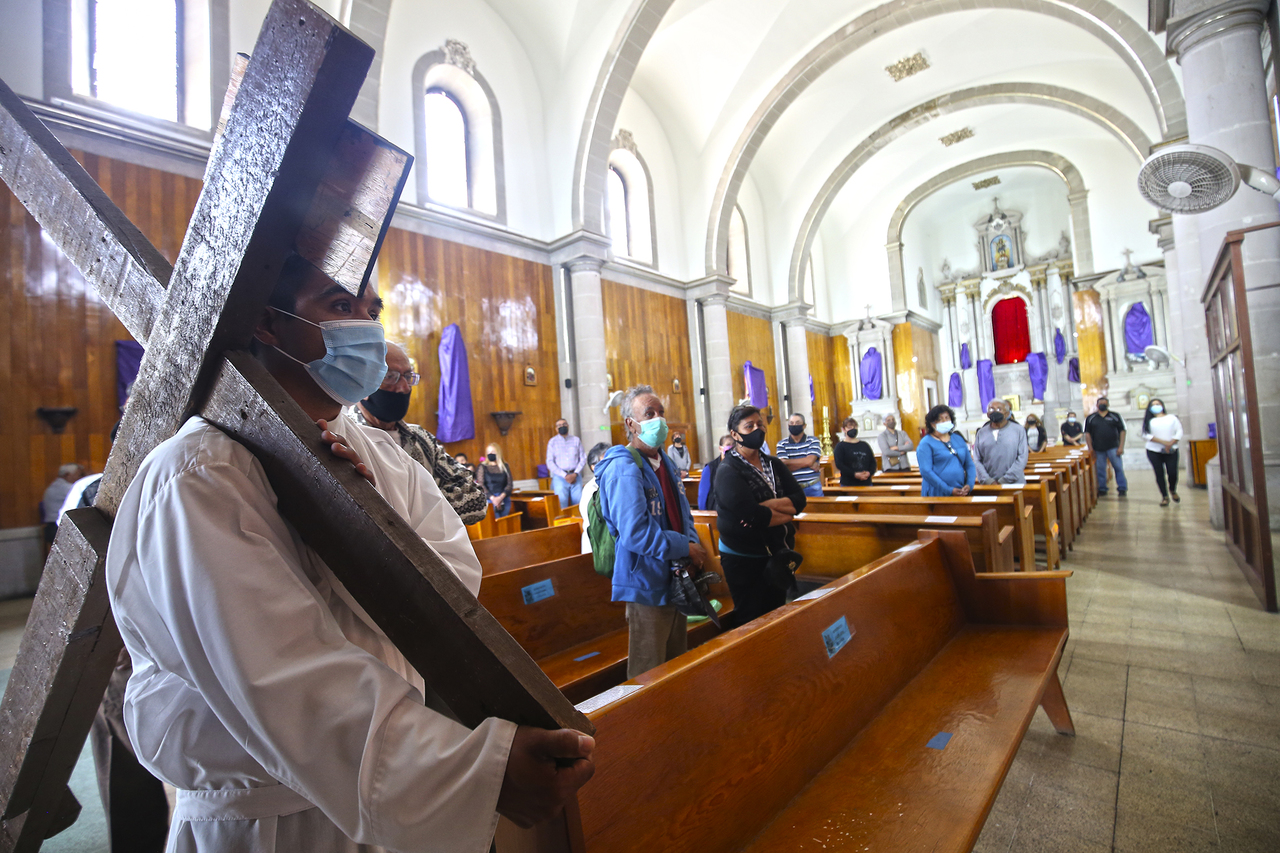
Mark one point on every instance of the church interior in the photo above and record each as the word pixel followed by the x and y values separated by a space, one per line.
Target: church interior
pixel 841 209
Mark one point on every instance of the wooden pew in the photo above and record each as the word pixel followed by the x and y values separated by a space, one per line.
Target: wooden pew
pixel 540 510
pixel 491 526
pixel 561 614
pixel 834 544
pixel 776 737
pixel 691 485
pixel 1011 510
pixel 498 554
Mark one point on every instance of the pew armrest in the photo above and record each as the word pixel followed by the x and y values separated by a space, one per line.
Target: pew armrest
pixel 1003 598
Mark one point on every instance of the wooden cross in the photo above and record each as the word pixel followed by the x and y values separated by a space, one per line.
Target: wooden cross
pixel 287 170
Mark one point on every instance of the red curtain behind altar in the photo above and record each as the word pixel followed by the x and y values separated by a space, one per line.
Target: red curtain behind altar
pixel 1009 328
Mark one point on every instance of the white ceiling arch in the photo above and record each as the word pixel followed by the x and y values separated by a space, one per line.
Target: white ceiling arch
pixel 1103 114
pixel 1121 33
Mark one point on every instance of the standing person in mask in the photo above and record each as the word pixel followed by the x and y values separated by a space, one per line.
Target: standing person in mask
pixel 800 453
pixel 594 455
pixel 854 459
pixel 495 475
pixel 1163 431
pixel 251 664
pixel 385 409
pixel 894 446
pixel 1104 432
pixel 1000 447
pixel 1037 438
pixel 946 468
pixel 679 454
pixel 565 460
pixel 757 496
pixel 706 485
pixel 1072 431
pixel 644 507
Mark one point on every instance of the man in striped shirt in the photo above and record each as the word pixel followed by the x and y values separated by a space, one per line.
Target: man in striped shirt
pixel 800 453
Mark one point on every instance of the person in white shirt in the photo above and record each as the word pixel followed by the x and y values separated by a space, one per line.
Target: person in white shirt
pixel 261 689
pixel 1163 431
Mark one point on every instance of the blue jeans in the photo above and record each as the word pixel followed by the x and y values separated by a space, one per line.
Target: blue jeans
pixel 569 495
pixel 814 489
pixel 1117 464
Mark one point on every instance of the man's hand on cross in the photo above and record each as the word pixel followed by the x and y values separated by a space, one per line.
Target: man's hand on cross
pixel 338 445
pixel 544 769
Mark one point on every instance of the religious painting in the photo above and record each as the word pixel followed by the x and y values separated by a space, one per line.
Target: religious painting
pixel 675 385
pixel 530 376
pixel 1014 401
pixel 1001 252
pixel 1143 400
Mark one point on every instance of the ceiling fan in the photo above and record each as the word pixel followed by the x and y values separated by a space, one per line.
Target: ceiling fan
pixel 1188 178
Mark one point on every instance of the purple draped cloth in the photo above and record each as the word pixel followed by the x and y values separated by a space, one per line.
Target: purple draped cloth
pixel 812 396
pixel 1073 370
pixel 128 357
pixel 756 389
pixel 966 361
pixel 986 381
pixel 955 392
pixel 1137 329
pixel 1059 346
pixel 871 375
pixel 1038 367
pixel 456 420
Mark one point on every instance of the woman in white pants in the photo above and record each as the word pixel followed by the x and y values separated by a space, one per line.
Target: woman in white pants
pixel 1163 432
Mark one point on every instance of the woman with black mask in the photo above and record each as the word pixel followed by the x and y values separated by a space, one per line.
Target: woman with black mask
pixel 495 475
pixel 756 498
pixel 854 459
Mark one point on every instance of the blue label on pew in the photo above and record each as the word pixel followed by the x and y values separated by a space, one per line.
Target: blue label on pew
pixel 537 591
pixel 587 655
pixel 939 741
pixel 835 637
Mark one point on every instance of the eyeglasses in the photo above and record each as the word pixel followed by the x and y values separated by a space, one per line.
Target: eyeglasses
pixel 394 376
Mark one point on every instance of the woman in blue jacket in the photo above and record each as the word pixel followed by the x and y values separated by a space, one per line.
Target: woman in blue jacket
pixel 946 468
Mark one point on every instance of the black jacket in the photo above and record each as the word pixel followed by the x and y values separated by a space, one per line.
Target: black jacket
pixel 852 457
pixel 743 523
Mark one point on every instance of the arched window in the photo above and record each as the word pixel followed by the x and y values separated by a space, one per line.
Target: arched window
pixel 629 173
pixel 458 132
pixel 810 284
pixel 1010 331
pixel 446 144
pixel 739 261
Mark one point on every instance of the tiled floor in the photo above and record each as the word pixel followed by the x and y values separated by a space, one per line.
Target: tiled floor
pixel 1172 673
pixel 1173 678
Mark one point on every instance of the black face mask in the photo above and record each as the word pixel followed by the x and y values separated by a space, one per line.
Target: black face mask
pixel 492 457
pixel 752 440
pixel 996 417
pixel 852 433
pixel 1102 407
pixel 387 406
pixel 796 429
pixel 564 430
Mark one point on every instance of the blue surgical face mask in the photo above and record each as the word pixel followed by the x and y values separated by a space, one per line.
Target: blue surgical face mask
pixel 944 426
pixel 1157 409
pixel 355 358
pixel 653 432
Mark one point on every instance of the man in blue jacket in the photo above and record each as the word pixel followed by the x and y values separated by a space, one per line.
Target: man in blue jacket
pixel 646 510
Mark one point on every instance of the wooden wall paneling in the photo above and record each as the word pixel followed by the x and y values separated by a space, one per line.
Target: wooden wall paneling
pixel 822 369
pixel 915 356
pixel 842 378
pixel 646 337
pixel 57 342
pixel 505 308
pixel 751 339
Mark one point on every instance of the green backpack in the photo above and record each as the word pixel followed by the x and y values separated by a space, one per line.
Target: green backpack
pixel 602 541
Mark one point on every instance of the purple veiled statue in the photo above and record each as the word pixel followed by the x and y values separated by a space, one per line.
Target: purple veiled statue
pixel 1059 346
pixel 955 392
pixel 1137 329
pixel 966 360
pixel 756 389
pixel 871 374
pixel 457 420
pixel 1073 370
pixel 128 357
pixel 986 381
pixel 1038 368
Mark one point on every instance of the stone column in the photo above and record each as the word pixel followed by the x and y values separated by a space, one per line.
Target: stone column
pixel 797 344
pixel 583 255
pixel 1218 46
pixel 1177 333
pixel 712 295
pixel 972 400
pixel 1108 331
pixel 1082 248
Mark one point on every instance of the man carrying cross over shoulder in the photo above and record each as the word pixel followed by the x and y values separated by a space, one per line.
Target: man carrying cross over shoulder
pixel 261 690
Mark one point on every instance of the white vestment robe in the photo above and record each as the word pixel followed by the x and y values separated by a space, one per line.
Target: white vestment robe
pixel 262 690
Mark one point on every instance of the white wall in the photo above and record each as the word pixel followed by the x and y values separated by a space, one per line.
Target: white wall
pixel 656 150
pixel 21 47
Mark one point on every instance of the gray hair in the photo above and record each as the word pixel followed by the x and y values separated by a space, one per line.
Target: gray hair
pixel 70 468
pixel 628 404
pixel 803 422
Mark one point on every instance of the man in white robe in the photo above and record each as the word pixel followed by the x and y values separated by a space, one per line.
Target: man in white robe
pixel 261 690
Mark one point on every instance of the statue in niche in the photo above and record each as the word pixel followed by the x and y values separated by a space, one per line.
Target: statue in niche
pixel 920 287
pixel 946 269
pixel 1000 241
pixel 1064 246
pixel 1001 252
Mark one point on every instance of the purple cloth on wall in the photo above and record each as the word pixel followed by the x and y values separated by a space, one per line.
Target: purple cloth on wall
pixel 812 395
pixel 1137 329
pixel 966 360
pixel 1073 370
pixel 128 357
pixel 986 381
pixel 756 389
pixel 871 375
pixel 955 392
pixel 457 420
pixel 1059 346
pixel 1038 367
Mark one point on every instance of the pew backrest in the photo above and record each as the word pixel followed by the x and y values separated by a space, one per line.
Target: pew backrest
pixel 501 553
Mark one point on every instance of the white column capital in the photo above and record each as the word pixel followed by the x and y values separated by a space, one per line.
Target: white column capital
pixel 1163 229
pixel 1206 19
